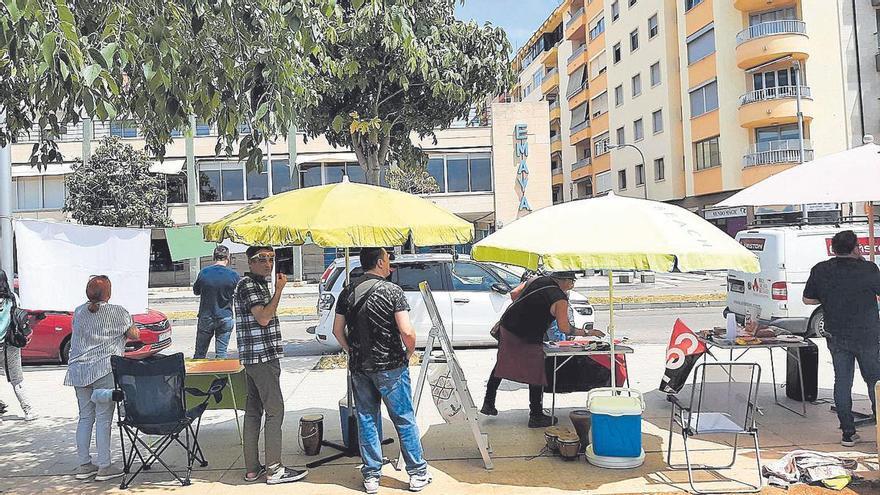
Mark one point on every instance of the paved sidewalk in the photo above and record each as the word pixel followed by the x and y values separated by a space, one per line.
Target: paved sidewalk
pixel 39 457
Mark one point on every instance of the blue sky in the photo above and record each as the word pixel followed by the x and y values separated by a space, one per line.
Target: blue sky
pixel 520 18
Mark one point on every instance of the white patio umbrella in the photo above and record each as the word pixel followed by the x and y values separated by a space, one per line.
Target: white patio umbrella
pixel 849 176
pixel 615 233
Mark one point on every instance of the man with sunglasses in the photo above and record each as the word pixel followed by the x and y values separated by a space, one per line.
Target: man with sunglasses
pixel 258 334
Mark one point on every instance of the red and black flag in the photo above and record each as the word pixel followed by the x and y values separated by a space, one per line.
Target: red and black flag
pixel 682 353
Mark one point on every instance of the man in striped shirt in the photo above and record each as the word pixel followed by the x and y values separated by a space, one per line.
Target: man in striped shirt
pixel 259 349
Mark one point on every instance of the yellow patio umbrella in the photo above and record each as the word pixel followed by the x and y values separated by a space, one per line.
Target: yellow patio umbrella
pixel 615 233
pixel 343 215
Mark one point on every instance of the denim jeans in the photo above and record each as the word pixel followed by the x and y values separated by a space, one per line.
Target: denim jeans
pixel 94 415
pixel 218 328
pixel 844 353
pixel 394 388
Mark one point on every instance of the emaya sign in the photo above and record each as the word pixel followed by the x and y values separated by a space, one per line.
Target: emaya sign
pixel 521 137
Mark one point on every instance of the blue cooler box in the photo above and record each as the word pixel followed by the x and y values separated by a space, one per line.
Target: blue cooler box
pixel 617 426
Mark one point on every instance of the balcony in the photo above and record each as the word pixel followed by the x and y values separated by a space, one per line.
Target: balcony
pixel 551 81
pixel 580 132
pixel 577 59
pixel 768 41
pixel 555 111
pixel 759 5
pixel 773 152
pixel 773 106
pixel 550 57
pixel 575 24
pixel 583 162
pixel 556 143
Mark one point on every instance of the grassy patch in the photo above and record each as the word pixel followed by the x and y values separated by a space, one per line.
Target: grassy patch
pixel 671 298
pixel 292 311
pixel 339 361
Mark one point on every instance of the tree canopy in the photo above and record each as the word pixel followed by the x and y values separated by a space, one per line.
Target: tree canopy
pixel 403 68
pixel 116 189
pixel 226 61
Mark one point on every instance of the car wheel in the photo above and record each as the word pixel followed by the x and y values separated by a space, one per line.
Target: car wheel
pixel 817 324
pixel 65 351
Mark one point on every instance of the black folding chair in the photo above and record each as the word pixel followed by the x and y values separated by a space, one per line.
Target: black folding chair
pixel 151 400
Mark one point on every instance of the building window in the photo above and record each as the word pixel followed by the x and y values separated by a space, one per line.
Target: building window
pixel 636 85
pixel 461 173
pixel 600 144
pixel 708 153
pixel 481 174
pixel 621 135
pixel 616 53
pixel 638 130
pixel 634 40
pixel 538 77
pixel 38 193
pixel 701 44
pixel 123 128
pixel 175 187
pixel 659 170
pixel 281 176
pixel 615 11
pixel 618 96
pixel 689 4
pixel 640 174
pixel 657 120
pixel 598 64
pixel 437 170
pixel 655 74
pixel 557 198
pixel 767 138
pixel 653 26
pixel 603 182
pixel 221 181
pixel 599 104
pixel 704 99
pixel 257 184
pixel 597 29
pixel 203 129
pixel 310 175
pixel 621 179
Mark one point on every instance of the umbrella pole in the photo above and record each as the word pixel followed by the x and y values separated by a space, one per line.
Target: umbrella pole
pixel 871 241
pixel 611 329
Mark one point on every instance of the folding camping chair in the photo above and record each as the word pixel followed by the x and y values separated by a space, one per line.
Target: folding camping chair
pixel 723 400
pixel 150 398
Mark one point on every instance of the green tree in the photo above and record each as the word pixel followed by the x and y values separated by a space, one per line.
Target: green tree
pixel 400 68
pixel 116 189
pixel 412 178
pixel 226 61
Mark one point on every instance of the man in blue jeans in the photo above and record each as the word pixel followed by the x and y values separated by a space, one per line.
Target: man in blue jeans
pixel 847 287
pixel 216 285
pixel 377 316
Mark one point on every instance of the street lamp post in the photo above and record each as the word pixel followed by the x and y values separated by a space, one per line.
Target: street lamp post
pixel 642 155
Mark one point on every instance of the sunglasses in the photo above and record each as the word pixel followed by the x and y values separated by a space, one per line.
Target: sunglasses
pixel 263 258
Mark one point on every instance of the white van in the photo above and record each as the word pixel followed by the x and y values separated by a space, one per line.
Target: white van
pixel 787 254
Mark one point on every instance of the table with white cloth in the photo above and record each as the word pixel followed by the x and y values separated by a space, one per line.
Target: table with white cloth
pixel 770 345
pixel 568 352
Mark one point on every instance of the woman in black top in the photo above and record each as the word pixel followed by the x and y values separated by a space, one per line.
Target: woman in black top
pixel 520 348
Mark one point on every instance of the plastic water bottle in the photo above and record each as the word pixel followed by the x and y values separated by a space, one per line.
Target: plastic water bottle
pixel 731 327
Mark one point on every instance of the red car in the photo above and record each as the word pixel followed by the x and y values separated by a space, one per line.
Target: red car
pixel 50 341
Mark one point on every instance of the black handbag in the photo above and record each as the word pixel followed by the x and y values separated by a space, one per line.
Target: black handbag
pixel 19 327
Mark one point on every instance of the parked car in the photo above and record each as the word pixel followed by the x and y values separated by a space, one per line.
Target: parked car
pixel 50 341
pixel 470 296
pixel 787 254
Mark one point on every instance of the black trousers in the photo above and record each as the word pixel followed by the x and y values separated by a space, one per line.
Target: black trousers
pixel 536 395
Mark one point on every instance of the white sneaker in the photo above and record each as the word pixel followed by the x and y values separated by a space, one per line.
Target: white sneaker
pixel 371 485
pixel 418 482
pixel 108 473
pixel 86 471
pixel 30 415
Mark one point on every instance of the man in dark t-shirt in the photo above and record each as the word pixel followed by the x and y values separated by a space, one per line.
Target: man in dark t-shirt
pixel 376 313
pixel 847 287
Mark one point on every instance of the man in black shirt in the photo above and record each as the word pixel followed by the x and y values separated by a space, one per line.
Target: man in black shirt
pixel 377 316
pixel 847 287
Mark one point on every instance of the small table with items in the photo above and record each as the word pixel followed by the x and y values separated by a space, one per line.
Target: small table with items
pixel 201 372
pixel 570 349
pixel 787 342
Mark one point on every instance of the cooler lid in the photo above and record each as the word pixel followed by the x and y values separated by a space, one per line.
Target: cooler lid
pixel 616 406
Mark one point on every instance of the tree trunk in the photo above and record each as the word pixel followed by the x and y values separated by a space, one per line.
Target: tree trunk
pixel 371 155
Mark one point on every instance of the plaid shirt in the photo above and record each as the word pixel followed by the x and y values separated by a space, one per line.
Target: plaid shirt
pixel 256 343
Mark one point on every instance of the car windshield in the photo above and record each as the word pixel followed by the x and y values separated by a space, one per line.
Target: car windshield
pixel 508 276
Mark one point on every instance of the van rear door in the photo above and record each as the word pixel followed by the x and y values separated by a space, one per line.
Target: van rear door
pixel 762 295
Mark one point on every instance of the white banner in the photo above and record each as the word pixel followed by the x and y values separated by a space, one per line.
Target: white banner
pixel 56 260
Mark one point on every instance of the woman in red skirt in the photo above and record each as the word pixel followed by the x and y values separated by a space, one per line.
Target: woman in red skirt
pixel 520 347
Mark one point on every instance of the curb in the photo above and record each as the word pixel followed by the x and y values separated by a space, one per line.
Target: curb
pixel 282 319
